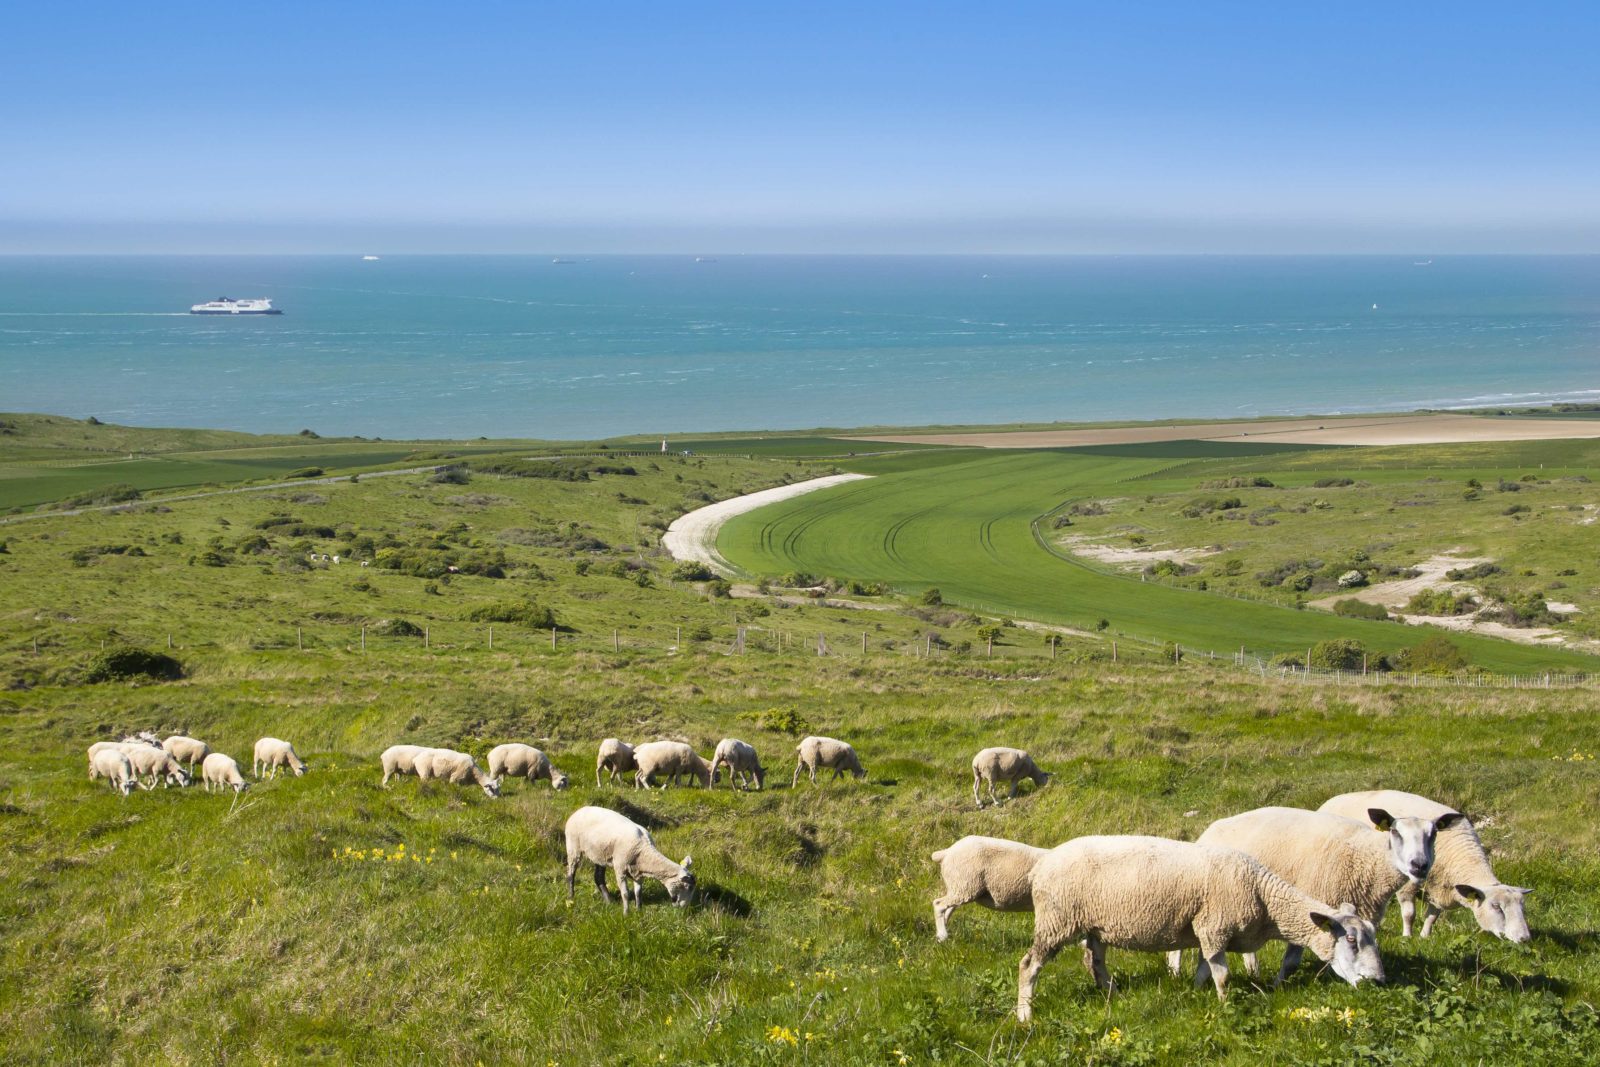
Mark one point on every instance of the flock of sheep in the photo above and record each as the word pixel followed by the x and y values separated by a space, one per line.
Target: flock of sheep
pixel 127 763
pixel 1264 875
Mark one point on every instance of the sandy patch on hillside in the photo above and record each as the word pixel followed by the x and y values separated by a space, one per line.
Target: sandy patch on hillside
pixel 1374 430
pixel 1397 594
pixel 694 536
pixel 1131 556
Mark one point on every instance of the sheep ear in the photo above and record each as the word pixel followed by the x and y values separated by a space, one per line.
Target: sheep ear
pixel 1381 819
pixel 1347 907
pixel 1447 820
pixel 688 861
pixel 1326 923
pixel 1524 890
pixel 1470 892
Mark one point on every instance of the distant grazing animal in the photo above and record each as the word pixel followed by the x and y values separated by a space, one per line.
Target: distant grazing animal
pixel 990 871
pixel 455 767
pixel 524 761
pixel 143 737
pixel 271 754
pixel 157 763
pixel 1333 858
pixel 741 761
pixel 1150 894
pixel 112 764
pixel 829 754
pixel 220 770
pixel 187 750
pixel 1460 875
pixel 400 760
pixel 609 839
pixel 615 757
pixel 671 760
pixel 1004 765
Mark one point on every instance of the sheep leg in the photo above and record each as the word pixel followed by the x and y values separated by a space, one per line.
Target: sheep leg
pixel 942 907
pixel 1041 953
pixel 1252 964
pixel 796 779
pixel 1219 971
pixel 1094 961
pixel 1408 907
pixel 638 888
pixel 572 871
pixel 1431 914
pixel 1291 960
pixel 1013 794
pixel 622 887
pixel 976 799
pixel 1175 962
pixel 600 884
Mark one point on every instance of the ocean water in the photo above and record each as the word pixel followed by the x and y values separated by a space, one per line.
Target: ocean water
pixel 463 346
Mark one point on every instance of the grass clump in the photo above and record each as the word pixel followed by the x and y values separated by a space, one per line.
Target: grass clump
pixel 1439 602
pixel 128 663
pixel 1352 608
pixel 528 613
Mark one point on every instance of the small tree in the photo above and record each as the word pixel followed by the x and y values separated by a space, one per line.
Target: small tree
pixel 932 597
pixel 1338 654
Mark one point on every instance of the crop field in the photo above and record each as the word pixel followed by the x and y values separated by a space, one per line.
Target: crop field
pixel 965 524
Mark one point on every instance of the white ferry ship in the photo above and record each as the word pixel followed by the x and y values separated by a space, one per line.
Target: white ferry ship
pixel 225 306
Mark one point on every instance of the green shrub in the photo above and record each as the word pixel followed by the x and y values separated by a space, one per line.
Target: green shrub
pixel 931 596
pixel 718 588
pixel 1441 602
pixel 1206 505
pixel 1467 574
pixel 305 472
pixel 454 474
pixel 1338 654
pixel 122 664
pixel 779 720
pixel 82 557
pixel 1432 655
pixel 692 571
pixel 118 493
pixel 529 613
pixel 1332 483
pixel 1360 609
pixel 989 633
pixel 396 628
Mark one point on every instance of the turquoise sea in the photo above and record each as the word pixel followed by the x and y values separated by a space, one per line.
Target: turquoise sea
pixel 463 346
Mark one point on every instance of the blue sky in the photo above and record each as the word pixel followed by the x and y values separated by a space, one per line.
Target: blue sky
pixel 1063 127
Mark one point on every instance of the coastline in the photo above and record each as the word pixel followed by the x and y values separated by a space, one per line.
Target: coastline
pixel 693 536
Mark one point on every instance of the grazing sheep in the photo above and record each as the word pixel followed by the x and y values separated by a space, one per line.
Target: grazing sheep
pixel 990 871
pixel 741 760
pixel 1461 875
pixel 616 757
pixel 158 763
pixel 1150 894
pixel 271 754
pixel 1333 858
pixel 220 770
pixel 400 760
pixel 829 754
pixel 98 747
pixel 455 767
pixel 608 839
pixel 1003 765
pixel 187 750
pixel 112 764
pixel 670 759
pixel 143 737
pixel 524 761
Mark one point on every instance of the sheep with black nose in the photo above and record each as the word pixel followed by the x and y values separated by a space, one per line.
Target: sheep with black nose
pixel 524 761
pixel 826 753
pixel 1004 765
pixel 609 839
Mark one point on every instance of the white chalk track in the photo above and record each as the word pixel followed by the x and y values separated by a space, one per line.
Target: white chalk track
pixel 694 536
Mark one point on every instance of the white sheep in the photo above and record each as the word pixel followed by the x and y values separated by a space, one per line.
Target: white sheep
pixel 1150 894
pixel 400 760
pixel 187 750
pixel 1460 876
pixel 1333 858
pixel 829 754
pixel 271 753
pixel 615 757
pixel 1004 765
pixel 990 871
pixel 143 737
pixel 112 764
pixel 524 761
pixel 741 761
pixel 220 770
pixel 449 765
pixel 670 759
pixel 158 763
pixel 608 839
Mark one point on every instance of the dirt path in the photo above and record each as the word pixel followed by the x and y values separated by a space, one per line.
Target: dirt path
pixel 694 536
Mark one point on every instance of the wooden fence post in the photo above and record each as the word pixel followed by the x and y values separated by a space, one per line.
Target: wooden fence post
pixel 1113 652
pixel 552 639
pixel 299 640
pixel 678 641
pixel 363 638
pixel 1055 641
pixel 616 646
pixel 990 652
pixel 863 642
pixel 491 637
pixel 426 638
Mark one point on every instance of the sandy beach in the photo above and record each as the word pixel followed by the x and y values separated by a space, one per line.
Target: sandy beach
pixel 694 536
pixel 1373 430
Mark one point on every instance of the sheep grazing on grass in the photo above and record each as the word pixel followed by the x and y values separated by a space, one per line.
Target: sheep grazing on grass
pixel 828 754
pixel 220 770
pixel 1003 765
pixel 455 767
pixel 990 871
pixel 1150 894
pixel 1460 876
pixel 112 764
pixel 524 761
pixel 400 760
pixel 608 839
pixel 671 760
pixel 143 737
pixel 740 759
pixel 1333 858
pixel 615 757
pixel 271 754
pixel 186 750
pixel 158 763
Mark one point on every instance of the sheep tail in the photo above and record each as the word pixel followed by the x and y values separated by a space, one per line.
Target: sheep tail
pixel 938 857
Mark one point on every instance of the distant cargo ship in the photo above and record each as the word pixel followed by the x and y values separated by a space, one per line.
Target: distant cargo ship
pixel 225 306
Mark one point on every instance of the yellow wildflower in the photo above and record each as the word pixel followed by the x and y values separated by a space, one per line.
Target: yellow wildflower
pixel 782 1035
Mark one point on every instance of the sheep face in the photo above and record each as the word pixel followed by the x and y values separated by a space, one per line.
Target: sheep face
pixel 681 888
pixel 300 768
pixel 1498 909
pixel 1411 840
pixel 1355 945
pixel 558 780
pixel 491 787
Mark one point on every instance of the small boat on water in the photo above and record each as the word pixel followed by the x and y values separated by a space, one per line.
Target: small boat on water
pixel 226 306
pixel 369 259
pixel 563 262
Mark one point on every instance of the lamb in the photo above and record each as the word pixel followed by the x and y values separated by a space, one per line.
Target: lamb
pixel 671 759
pixel 400 759
pixel 456 767
pixel 271 754
pixel 221 770
pixel 1461 875
pixel 990 871
pixel 741 761
pixel 524 761
pixel 1004 765
pixel 608 839
pixel 1333 858
pixel 158 763
pixel 187 750
pixel 616 757
pixel 829 754
pixel 112 764
pixel 1154 895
